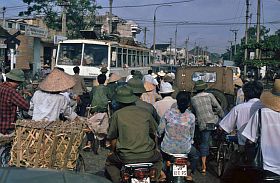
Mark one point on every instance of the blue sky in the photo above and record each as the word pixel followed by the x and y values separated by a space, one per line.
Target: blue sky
pixel 214 37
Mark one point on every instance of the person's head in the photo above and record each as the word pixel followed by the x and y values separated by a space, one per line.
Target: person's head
pixel 271 99
pixel 137 86
pixel 166 89
pixel 76 70
pixel 104 70
pixel 15 77
pixel 183 100
pixel 101 78
pixel 200 86
pixel 150 71
pixel 132 72
pixel 125 96
pixel 252 89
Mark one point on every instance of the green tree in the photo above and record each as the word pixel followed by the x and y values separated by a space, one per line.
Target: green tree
pixel 80 14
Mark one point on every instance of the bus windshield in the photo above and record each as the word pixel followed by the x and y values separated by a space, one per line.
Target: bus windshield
pixel 70 54
pixel 95 55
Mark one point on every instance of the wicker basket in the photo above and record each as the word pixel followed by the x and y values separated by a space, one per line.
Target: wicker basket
pixel 47 144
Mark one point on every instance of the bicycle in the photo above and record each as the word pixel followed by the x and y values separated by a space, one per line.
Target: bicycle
pixel 5 149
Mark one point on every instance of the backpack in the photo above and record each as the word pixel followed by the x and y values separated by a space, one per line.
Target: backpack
pixel 99 99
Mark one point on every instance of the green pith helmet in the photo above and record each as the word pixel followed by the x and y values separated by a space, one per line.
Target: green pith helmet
pixel 125 95
pixel 137 85
pixel 138 75
pixel 103 70
pixel 200 85
pixel 16 75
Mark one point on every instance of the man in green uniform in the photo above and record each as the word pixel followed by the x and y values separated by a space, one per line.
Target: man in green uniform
pixel 132 132
pixel 138 89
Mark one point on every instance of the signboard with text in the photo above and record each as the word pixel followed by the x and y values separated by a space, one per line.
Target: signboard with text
pixel 36 32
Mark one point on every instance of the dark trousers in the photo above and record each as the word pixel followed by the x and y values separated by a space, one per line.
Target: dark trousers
pixel 84 103
pixel 114 164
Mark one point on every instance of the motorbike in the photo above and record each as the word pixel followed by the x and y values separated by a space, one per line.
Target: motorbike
pixel 138 173
pixel 177 168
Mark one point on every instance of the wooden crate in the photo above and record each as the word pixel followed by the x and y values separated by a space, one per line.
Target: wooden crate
pixel 47 144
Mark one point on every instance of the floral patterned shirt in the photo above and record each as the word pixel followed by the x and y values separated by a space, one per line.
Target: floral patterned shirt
pixel 179 131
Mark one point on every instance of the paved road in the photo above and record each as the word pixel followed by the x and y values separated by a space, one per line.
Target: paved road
pixel 95 165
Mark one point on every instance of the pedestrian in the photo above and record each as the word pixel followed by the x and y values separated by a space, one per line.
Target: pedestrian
pixel 238 83
pixel 138 89
pixel 132 135
pixel 150 96
pixel 269 122
pixel 149 78
pixel 168 78
pixel 130 76
pixel 178 125
pixel 104 70
pixel 112 86
pixel 207 111
pixel 167 101
pixel 239 116
pixel 79 91
pixel 10 99
pixel 47 103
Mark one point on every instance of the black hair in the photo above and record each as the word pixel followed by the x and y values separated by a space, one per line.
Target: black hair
pixel 138 94
pixel 101 78
pixel 76 70
pixel 10 80
pixel 150 71
pixel 183 100
pixel 165 94
pixel 132 72
pixel 252 89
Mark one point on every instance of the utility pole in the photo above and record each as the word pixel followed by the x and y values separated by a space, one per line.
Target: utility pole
pixel 235 35
pixel 3 13
pixel 187 52
pixel 230 50
pixel 145 36
pixel 170 50
pixel 175 43
pixel 110 16
pixel 194 53
pixel 246 37
pixel 64 4
pixel 258 28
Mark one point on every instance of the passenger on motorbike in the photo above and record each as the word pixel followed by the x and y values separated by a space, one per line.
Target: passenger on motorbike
pixel 178 124
pixel 131 132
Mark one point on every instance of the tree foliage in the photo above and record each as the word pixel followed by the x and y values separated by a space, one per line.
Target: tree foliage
pixel 80 14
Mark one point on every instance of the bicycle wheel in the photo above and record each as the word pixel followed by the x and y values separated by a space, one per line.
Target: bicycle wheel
pixel 80 166
pixel 220 167
pixel 95 145
pixel 221 160
pixel 5 156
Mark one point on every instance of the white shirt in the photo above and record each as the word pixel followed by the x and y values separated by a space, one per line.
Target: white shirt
pixel 47 106
pixel 128 77
pixel 163 105
pixel 150 78
pixel 270 135
pixel 239 116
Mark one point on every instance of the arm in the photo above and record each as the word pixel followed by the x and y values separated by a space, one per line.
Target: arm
pixel 192 126
pixel 19 101
pixel 162 125
pixel 67 110
pixel 215 104
pixel 250 131
pixel 228 123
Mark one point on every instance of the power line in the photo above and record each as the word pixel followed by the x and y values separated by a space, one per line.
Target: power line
pixel 153 4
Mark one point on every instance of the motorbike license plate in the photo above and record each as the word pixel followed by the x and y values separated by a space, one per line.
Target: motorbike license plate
pixel 179 170
pixel 145 180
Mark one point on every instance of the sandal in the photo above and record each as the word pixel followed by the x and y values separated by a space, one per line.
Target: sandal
pixel 87 148
pixel 189 179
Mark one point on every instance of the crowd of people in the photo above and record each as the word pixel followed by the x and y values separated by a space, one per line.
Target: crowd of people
pixel 146 117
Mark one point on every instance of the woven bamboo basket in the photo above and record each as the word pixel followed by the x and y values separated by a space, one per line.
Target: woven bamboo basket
pixel 44 144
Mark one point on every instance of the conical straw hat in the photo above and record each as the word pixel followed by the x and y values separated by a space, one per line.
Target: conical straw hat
pixel 149 86
pixel 271 99
pixel 113 78
pixel 57 81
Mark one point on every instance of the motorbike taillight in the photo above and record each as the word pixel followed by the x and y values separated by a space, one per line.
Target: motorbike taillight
pixel 180 161
pixel 125 176
pixel 140 173
pixel 153 174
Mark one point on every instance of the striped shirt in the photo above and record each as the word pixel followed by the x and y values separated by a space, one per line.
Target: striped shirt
pixel 10 99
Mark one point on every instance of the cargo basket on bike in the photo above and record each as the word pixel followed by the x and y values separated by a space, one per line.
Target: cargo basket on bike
pixel 54 145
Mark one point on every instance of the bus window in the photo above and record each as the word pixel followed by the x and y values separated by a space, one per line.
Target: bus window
pixel 119 60
pixel 113 57
pixel 146 61
pixel 124 57
pixel 95 55
pixel 70 54
pixel 130 64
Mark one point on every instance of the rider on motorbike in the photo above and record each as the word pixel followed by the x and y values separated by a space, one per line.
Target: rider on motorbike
pixel 132 131
pixel 178 124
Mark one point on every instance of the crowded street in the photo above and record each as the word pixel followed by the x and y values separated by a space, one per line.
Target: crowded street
pixel 163 91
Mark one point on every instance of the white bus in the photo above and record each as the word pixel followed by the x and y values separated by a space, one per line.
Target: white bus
pixel 91 55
